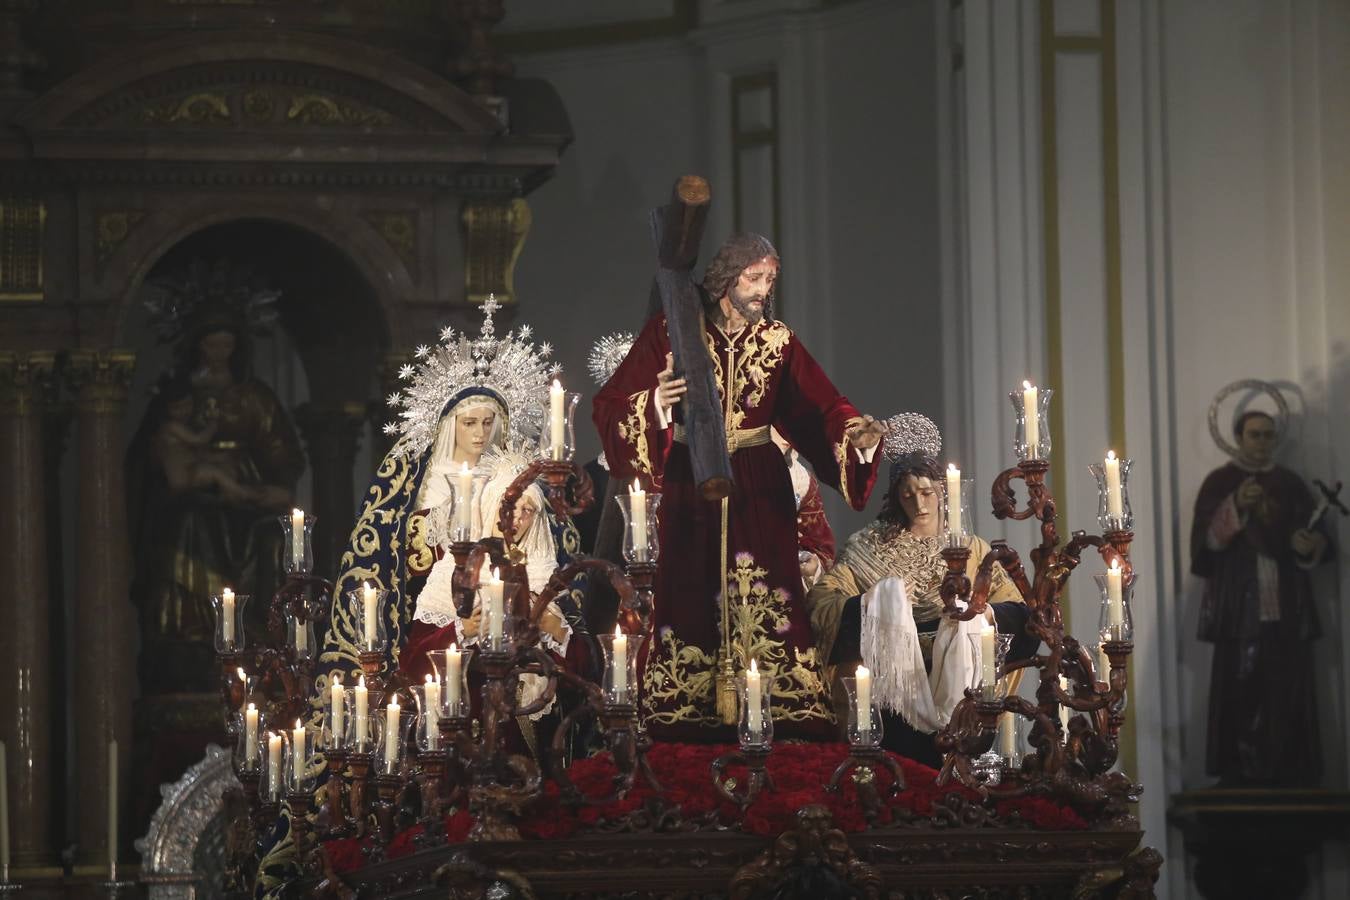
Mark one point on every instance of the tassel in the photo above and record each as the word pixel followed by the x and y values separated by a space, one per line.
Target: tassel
pixel 728 705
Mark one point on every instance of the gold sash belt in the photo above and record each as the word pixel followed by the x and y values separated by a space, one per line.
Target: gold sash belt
pixel 736 437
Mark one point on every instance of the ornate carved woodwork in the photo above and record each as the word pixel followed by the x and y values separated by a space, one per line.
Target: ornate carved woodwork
pixel 494 234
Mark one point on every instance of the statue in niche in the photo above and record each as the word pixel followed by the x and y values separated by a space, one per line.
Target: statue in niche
pixel 213 463
pixel 1257 533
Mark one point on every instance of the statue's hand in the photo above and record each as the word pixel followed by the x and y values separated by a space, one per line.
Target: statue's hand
pixel 469 627
pixel 864 432
pixel 1308 544
pixel 669 389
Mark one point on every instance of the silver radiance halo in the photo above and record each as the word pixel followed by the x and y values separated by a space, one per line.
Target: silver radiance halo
pixel 1221 435
pixel 513 367
pixel 607 354
pixel 910 433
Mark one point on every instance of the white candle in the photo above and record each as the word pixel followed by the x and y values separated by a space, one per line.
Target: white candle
pixel 637 499
pixel 301 637
pixel 863 680
pixel 273 763
pixel 298 538
pixel 298 756
pixel 372 612
pixel 1064 710
pixel 337 704
pixel 432 693
pixel 555 418
pixel 754 709
pixel 112 810
pixel 362 698
pixel 391 717
pixel 251 733
pixel 1115 504
pixel 243 678
pixel 620 663
pixel 4 816
pixel 493 609
pixel 988 669
pixel 227 617
pixel 1115 600
pixel 463 500
pixel 1032 411
pixel 953 499
pixel 1007 735
pixel 453 674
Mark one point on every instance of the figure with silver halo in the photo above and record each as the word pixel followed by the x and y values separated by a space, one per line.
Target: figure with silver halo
pixel 880 605
pixel 1256 535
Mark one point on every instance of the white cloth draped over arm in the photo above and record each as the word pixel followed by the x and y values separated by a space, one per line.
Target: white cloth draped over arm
pixel 956 662
pixel 890 649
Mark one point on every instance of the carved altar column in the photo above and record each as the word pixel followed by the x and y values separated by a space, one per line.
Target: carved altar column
pixel 105 659
pixel 332 435
pixel 25 611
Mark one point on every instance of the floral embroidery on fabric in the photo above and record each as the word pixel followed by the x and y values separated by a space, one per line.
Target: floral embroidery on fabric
pixel 634 431
pixel 678 683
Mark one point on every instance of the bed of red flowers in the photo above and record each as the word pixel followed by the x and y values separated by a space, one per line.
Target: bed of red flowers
pixel 800 773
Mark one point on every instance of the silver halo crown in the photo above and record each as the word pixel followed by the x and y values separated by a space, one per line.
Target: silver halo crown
pixel 513 367
pixel 911 433
pixel 606 355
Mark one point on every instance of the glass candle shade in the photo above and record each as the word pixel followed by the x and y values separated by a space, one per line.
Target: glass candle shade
pixel 364 732
pixel 619 678
pixel 396 720
pixel 1008 743
pixel 248 692
pixel 557 439
pixel 229 614
pixel 640 543
pixel 461 503
pixel 452 670
pixel 956 516
pixel 300 748
pixel 300 635
pixel 996 645
pixel 1031 438
pixel 337 713
pixel 755 728
pixel 249 744
pixel 272 772
pixel 429 699
pixel 1115 622
pixel 297 532
pixel 365 609
pixel 494 631
pixel 864 716
pixel 1113 494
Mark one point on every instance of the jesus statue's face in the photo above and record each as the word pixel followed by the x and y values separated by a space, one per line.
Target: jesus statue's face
pixel 745 299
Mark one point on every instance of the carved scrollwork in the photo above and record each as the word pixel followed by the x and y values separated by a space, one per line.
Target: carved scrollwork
pixel 813 853
pixel 206 108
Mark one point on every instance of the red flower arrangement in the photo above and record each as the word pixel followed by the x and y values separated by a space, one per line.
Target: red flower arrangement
pixel 800 774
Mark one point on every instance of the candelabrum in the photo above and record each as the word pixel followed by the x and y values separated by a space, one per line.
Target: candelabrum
pixel 1071 754
pixel 865 755
pixel 754 733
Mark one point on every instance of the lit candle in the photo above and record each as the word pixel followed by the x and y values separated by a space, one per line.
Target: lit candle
pixel 463 500
pixel 273 764
pixel 1115 504
pixel 493 610
pixel 301 637
pixel 555 418
pixel 251 734
pixel 298 539
pixel 1007 735
pixel 362 698
pixel 753 708
pixel 953 499
pixel 298 756
pixel 1032 412
pixel 4 817
pixel 1064 710
pixel 863 680
pixel 620 664
pixel 453 674
pixel 243 678
pixel 432 694
pixel 337 704
pixel 391 716
pixel 988 670
pixel 637 499
pixel 112 810
pixel 1115 600
pixel 227 617
pixel 369 597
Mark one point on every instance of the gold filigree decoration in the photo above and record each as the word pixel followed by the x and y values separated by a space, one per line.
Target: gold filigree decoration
pixel 259 105
pixel 678 683
pixel 494 233
pixel 420 557
pixel 196 109
pixel 23 220
pixel 111 229
pixel 763 353
pixel 634 430
pixel 320 109
pixel 841 457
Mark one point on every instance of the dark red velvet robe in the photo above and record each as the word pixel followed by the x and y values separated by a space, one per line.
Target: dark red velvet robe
pixel 1263 717
pixel 765 377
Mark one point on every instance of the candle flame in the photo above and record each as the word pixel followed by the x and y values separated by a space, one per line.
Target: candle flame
pixel 337 678
pixel 1026 385
pixel 428 679
pixel 1110 455
pixel 361 682
pixel 464 468
pixel 752 666
pixel 1115 567
pixel 952 469
pixel 556 385
pixel 298 513
pixel 393 702
pixel 616 630
pixel 242 676
pixel 252 708
pixel 862 672
pixel 496 573
pixel 297 724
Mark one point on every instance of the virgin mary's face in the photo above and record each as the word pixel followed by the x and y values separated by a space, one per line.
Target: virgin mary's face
pixel 473 430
